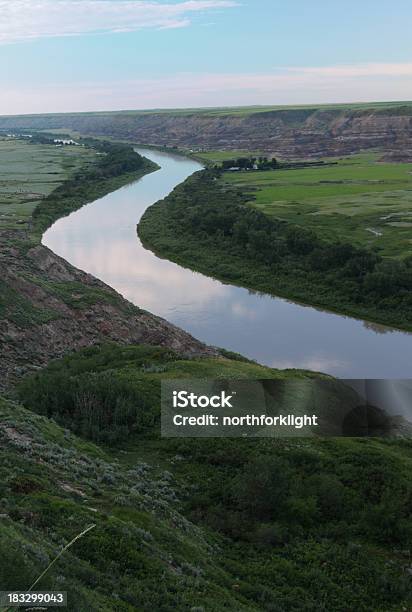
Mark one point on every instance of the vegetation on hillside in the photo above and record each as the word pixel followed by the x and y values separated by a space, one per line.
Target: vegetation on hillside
pixel 233 525
pixel 288 131
pixel 208 226
pixel 86 393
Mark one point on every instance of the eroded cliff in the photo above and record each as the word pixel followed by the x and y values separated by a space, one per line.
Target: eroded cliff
pixel 49 308
pixel 288 133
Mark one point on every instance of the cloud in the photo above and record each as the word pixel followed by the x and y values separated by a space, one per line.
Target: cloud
pixel 357 70
pixel 305 85
pixel 22 20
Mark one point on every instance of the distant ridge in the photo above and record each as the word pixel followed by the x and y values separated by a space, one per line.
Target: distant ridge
pixel 304 131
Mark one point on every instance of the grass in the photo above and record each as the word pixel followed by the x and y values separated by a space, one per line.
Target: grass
pixel 18 309
pixel 341 202
pixel 76 295
pixel 28 173
pixel 129 380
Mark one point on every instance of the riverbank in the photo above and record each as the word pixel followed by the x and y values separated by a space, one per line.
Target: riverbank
pixel 205 225
pixel 118 165
pixel 47 306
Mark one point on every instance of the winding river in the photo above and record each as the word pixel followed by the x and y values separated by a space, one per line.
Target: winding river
pixel 101 239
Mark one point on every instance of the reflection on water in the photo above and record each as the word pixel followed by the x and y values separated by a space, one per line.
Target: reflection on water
pixel 101 239
pixel 376 327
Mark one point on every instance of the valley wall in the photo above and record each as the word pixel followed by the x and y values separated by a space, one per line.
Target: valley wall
pixel 288 133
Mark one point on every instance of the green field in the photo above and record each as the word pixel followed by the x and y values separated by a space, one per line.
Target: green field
pixel 28 173
pixel 360 200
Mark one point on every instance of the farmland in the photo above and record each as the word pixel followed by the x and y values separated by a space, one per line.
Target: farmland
pixel 359 200
pixel 28 173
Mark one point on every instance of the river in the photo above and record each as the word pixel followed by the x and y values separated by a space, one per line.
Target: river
pixel 101 239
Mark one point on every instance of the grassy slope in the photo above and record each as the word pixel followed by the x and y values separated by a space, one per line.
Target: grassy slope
pixel 208 524
pixel 142 555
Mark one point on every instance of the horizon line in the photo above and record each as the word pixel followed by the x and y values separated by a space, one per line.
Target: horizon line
pixel 212 108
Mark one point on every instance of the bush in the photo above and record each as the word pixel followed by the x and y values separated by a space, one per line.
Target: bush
pixel 100 406
pixel 261 489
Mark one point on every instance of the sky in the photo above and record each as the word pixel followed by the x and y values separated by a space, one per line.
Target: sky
pixel 91 55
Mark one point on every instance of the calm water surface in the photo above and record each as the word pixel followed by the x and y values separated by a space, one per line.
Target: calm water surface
pixel 101 239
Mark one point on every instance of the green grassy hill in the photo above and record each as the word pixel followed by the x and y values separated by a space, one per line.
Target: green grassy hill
pixel 196 525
